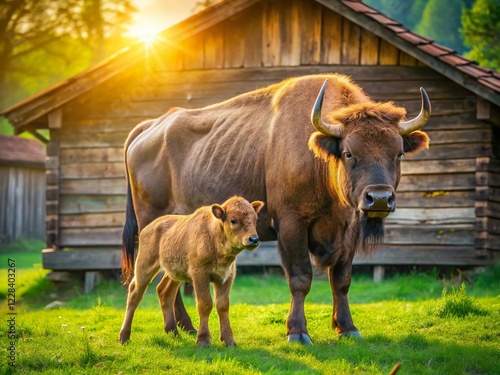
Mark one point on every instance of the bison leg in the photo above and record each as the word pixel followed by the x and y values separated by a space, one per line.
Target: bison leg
pixel 144 273
pixel 181 316
pixel 292 244
pixel 204 306
pixel 167 290
pixel 221 292
pixel 340 281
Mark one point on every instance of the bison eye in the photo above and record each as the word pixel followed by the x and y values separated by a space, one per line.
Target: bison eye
pixel 234 221
pixel 400 156
pixel 347 155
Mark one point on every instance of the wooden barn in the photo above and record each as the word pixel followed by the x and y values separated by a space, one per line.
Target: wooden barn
pixel 22 189
pixel 448 199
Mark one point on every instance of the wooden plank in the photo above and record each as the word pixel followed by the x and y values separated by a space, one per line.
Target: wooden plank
pixel 409 166
pixel 71 237
pixel 488 179
pixel 271 34
pixel 487 208
pixel 369 48
pixel 193 53
pixel 389 54
pixel 290 33
pixel 437 234
pixel 92 220
pixel 437 199
pixel 83 139
pixel 351 43
pixel 81 260
pixel 310 31
pixel 407 60
pixel 79 204
pixel 488 241
pixel 99 186
pixel 93 170
pixel 486 164
pixel 452 151
pixel 234 42
pixel 214 45
pixel 55 119
pixel 91 155
pixel 434 216
pixel 431 183
pixel 486 193
pixel 488 224
pixel 253 45
pixel 331 38
pixel 106 259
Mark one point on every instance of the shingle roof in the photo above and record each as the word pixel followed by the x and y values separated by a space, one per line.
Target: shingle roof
pixel 21 152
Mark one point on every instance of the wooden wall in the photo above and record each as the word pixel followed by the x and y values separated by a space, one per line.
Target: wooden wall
pixel 22 202
pixel 435 220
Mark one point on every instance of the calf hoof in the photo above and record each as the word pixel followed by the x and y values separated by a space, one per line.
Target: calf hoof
pixel 203 343
pixel 188 328
pixel 351 335
pixel 124 338
pixel 301 338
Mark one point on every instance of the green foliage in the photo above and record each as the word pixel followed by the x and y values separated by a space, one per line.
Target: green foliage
pixel 481 32
pixel 441 21
pixel 458 304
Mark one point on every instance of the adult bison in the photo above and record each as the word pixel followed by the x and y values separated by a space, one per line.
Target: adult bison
pixel 327 186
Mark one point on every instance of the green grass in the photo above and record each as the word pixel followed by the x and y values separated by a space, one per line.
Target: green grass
pixel 428 325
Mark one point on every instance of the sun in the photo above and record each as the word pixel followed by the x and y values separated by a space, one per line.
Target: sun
pixel 144 32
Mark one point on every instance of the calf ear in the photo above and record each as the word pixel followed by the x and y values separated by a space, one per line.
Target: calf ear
pixel 257 205
pixel 219 212
pixel 324 146
pixel 415 142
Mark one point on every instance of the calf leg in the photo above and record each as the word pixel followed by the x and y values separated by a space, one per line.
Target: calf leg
pixel 181 316
pixel 144 273
pixel 204 306
pixel 221 291
pixel 340 281
pixel 292 244
pixel 167 290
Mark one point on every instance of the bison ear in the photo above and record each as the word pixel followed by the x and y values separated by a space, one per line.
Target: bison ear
pixel 324 146
pixel 415 142
pixel 257 205
pixel 219 212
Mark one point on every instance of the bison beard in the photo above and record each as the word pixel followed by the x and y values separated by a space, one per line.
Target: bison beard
pixel 372 233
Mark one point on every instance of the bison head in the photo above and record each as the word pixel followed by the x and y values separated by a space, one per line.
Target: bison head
pixel 363 144
pixel 239 220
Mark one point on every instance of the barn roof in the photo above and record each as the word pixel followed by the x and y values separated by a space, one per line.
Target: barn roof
pixel 31 113
pixel 18 151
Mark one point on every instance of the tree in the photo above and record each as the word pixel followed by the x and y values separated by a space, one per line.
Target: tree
pixel 481 31
pixel 441 22
pixel 40 38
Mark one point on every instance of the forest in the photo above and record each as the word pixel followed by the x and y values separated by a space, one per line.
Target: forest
pixel 44 41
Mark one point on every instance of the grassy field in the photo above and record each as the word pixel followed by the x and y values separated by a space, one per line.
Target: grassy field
pixel 406 319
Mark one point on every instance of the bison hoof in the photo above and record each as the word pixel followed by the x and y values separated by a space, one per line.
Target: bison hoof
pixel 352 335
pixel 302 338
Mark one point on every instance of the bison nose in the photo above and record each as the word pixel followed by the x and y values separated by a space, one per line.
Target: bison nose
pixel 253 240
pixel 378 200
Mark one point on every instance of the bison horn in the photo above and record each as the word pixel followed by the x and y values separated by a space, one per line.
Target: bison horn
pixel 406 127
pixel 323 127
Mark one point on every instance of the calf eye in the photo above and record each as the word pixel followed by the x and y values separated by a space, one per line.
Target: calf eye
pixel 347 155
pixel 400 156
pixel 234 221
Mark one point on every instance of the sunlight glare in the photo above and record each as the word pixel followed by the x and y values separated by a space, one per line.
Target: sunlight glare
pixel 146 33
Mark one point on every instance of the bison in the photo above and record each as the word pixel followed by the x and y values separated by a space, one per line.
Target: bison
pixel 200 248
pixel 323 156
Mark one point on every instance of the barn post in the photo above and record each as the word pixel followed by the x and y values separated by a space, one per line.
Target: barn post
pixel 52 174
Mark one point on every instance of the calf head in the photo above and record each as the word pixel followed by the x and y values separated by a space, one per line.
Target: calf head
pixel 363 145
pixel 239 220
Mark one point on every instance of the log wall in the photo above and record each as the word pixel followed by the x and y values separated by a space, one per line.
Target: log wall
pixel 435 221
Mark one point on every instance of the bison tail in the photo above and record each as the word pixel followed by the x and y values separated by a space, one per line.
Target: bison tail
pixel 130 230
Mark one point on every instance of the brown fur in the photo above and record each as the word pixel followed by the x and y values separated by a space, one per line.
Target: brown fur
pixel 261 145
pixel 200 248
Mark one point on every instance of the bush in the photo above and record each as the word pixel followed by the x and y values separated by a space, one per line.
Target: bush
pixel 458 304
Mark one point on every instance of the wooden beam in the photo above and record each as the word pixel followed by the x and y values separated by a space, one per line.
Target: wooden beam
pixel 55 119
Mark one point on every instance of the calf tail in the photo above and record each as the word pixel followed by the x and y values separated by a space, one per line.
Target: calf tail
pixel 130 230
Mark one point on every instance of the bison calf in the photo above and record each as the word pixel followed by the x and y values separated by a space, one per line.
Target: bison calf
pixel 200 248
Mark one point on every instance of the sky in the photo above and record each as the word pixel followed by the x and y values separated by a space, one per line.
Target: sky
pixel 155 15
